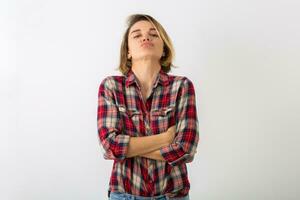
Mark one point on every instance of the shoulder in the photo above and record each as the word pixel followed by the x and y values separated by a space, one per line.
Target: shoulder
pixel 182 81
pixel 111 82
pixel 182 85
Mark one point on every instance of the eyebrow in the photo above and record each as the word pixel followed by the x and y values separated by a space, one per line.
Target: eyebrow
pixel 151 29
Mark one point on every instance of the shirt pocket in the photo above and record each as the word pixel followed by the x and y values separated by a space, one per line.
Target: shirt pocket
pixel 162 119
pixel 132 119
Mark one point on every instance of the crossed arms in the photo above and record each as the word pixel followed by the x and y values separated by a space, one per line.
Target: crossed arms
pixel 176 146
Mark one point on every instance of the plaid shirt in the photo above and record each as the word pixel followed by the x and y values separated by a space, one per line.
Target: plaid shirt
pixel 122 114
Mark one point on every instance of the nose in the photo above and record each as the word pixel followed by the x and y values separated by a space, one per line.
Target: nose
pixel 146 38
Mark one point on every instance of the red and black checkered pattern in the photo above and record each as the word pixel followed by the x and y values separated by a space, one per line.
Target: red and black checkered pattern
pixel 122 114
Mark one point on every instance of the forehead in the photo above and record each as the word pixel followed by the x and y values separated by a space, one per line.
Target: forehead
pixel 142 25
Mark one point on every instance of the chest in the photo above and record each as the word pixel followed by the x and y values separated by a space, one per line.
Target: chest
pixel 148 114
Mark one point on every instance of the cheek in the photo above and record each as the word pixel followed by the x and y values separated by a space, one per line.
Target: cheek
pixel 133 46
pixel 159 49
pixel 160 46
pixel 130 44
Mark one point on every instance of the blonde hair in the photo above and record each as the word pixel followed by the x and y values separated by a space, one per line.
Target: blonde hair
pixel 169 53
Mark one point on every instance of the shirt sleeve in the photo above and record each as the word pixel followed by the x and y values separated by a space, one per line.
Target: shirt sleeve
pixel 183 148
pixel 114 143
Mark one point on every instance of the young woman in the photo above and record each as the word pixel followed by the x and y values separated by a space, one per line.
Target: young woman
pixel 147 120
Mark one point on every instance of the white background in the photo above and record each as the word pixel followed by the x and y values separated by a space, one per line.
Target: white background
pixel 242 56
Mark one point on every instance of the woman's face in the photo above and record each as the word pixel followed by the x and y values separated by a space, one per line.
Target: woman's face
pixel 144 42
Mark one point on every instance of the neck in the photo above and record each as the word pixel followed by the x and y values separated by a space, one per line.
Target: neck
pixel 146 72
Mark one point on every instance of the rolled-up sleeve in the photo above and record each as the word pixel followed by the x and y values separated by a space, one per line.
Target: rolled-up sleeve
pixel 113 142
pixel 184 145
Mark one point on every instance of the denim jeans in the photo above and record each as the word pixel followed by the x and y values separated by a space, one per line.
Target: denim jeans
pixel 125 196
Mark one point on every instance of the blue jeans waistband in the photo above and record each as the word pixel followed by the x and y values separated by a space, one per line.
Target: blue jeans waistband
pixel 122 196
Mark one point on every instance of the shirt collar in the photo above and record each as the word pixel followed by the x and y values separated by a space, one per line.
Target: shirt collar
pixel 162 78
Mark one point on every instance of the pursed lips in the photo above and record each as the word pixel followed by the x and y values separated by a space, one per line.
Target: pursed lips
pixel 147 44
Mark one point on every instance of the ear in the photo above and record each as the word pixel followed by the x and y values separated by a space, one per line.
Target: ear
pixel 128 55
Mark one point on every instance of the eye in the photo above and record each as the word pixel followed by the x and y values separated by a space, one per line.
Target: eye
pixel 154 35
